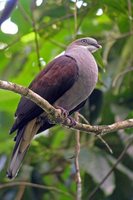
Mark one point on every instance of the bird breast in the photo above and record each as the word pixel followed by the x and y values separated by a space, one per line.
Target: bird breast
pixel 87 78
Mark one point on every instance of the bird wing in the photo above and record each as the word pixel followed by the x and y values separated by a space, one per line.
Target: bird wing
pixel 51 83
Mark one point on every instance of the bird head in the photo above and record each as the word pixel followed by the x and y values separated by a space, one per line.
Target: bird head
pixel 89 43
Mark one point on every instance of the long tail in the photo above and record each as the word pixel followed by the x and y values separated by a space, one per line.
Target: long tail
pixel 23 141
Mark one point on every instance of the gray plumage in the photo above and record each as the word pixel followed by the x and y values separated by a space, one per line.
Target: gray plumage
pixel 87 77
pixel 66 82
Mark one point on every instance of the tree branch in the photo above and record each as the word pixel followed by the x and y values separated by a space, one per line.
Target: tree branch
pixel 23 183
pixel 56 116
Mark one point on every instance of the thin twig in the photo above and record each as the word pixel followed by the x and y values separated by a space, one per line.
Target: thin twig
pixel 99 136
pixel 129 4
pixel 36 44
pixel 24 13
pixel 91 196
pixel 121 36
pixel 36 38
pixel 20 192
pixel 18 183
pixel 77 152
pixel 75 19
pixel 129 69
pixel 82 18
pixel 59 44
pixel 83 118
pixel 63 18
pixel 106 144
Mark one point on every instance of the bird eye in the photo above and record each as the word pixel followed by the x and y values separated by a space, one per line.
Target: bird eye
pixel 84 41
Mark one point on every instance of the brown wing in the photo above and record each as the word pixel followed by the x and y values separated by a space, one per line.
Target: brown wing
pixel 51 83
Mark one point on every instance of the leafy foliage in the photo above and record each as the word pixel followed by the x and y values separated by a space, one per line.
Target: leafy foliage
pixel 49 161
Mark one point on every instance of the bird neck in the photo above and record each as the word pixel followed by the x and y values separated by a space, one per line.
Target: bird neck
pixel 72 47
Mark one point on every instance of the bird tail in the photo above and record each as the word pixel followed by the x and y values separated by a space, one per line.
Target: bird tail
pixel 23 140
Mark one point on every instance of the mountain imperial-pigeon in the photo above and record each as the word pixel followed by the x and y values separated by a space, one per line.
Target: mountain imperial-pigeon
pixel 66 83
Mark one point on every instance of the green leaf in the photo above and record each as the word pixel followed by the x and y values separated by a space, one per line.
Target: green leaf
pixel 93 162
pixel 99 60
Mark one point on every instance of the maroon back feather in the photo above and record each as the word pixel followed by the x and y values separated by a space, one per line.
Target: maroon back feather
pixel 51 83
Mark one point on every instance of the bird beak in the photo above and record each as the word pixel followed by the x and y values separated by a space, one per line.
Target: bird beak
pixel 99 46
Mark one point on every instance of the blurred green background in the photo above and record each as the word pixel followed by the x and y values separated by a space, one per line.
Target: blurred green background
pixel 45 28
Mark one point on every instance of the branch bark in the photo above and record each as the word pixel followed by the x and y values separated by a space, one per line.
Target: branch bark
pixel 77 152
pixel 55 114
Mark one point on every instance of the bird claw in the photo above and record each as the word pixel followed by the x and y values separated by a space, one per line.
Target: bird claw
pixel 66 116
pixel 72 121
pixel 64 112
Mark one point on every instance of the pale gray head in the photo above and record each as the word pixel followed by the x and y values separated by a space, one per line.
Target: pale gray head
pixel 89 43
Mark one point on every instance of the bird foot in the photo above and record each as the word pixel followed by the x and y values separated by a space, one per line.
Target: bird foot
pixel 66 116
pixel 72 121
pixel 64 112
